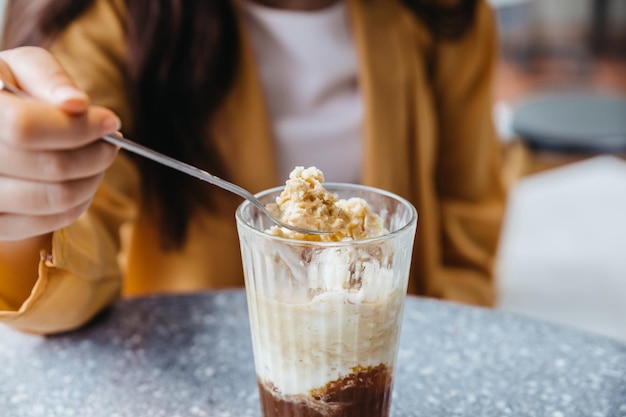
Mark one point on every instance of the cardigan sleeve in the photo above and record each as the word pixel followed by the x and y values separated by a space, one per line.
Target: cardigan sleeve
pixel 469 184
pixel 81 274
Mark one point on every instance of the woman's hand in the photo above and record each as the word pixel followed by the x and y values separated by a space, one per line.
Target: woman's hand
pixel 51 161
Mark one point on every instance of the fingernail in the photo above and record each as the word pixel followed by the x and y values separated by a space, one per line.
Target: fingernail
pixel 66 93
pixel 109 125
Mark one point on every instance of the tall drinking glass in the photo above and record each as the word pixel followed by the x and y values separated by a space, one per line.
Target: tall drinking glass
pixel 325 316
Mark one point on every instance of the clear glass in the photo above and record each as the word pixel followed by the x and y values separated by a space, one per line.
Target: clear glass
pixel 325 317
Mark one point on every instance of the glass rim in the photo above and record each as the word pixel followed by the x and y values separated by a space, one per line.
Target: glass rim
pixel 410 223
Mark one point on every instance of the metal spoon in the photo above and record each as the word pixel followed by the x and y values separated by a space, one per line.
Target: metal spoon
pixel 138 149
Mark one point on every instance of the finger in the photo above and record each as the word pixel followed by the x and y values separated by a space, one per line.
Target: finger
pixel 17 226
pixel 36 125
pixel 42 199
pixel 38 73
pixel 56 166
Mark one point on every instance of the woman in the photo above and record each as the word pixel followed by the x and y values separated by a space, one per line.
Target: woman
pixel 390 93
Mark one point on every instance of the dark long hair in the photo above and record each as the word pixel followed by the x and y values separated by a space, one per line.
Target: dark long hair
pixel 449 21
pixel 182 61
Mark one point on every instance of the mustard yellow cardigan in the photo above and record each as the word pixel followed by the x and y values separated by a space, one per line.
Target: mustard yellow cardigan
pixel 428 137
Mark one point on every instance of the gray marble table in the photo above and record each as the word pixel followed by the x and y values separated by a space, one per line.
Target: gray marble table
pixel 180 356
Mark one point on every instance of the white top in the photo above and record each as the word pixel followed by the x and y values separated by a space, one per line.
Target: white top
pixel 308 69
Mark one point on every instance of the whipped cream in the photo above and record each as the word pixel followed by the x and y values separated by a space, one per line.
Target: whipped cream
pixel 305 203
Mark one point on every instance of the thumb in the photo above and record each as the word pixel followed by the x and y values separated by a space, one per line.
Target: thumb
pixel 35 71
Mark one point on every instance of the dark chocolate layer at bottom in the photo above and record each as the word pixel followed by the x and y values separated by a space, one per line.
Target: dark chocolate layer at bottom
pixel 364 393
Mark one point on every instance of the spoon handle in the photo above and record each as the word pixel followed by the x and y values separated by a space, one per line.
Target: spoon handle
pixel 176 164
pixel 200 174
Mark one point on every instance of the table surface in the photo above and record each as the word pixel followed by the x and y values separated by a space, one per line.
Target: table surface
pixel 191 355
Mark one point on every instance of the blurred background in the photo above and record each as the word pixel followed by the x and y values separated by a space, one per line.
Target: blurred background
pixel 561 115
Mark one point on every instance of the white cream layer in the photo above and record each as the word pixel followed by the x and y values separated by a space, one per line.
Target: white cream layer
pixel 302 346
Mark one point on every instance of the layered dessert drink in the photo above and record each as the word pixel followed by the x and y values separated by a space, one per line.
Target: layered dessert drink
pixel 325 310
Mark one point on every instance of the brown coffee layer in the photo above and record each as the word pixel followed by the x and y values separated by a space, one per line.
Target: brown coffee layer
pixel 364 393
